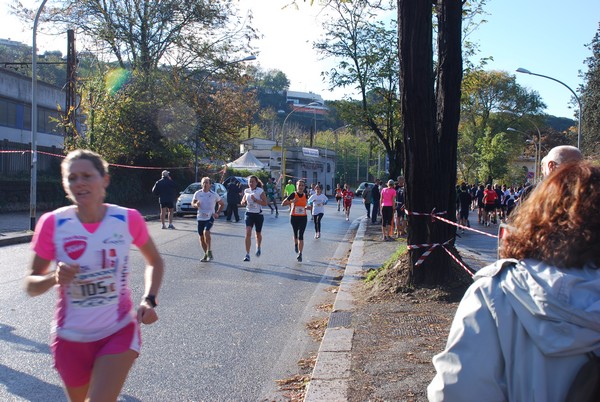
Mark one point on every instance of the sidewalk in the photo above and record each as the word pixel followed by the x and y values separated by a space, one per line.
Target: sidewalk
pixel 380 347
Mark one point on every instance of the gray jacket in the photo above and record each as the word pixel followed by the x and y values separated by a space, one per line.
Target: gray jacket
pixel 520 334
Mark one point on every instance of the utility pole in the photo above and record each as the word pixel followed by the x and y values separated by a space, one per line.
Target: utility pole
pixel 70 88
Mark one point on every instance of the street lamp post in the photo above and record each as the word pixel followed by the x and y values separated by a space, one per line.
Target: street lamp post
pixel 34 114
pixel 537 151
pixel 283 146
pixel 211 72
pixel 335 152
pixel 525 71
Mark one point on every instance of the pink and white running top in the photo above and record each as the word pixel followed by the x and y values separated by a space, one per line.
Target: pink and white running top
pixel 388 197
pixel 97 303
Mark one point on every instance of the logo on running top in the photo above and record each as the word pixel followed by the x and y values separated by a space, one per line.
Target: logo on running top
pixel 75 248
pixel 116 238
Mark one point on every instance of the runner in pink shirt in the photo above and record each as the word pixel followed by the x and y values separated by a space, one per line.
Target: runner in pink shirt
pixel 95 334
pixel 388 202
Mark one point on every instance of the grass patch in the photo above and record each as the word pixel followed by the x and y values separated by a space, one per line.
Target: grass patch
pixel 389 263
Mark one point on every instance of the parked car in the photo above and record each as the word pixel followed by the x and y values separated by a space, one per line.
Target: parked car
pixel 361 188
pixel 242 180
pixel 183 206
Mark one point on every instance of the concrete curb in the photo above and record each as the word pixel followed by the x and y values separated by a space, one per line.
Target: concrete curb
pixel 331 375
pixel 7 239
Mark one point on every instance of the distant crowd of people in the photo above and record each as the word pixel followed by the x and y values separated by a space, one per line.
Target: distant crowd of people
pixel 388 202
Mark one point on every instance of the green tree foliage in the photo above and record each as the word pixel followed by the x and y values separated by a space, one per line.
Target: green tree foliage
pixel 143 34
pixel 491 101
pixel 590 98
pixel 494 154
pixel 352 150
pixel 51 67
pixel 366 51
pixel 128 124
pixel 151 108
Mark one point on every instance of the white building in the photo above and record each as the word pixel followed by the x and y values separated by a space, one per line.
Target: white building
pixel 315 165
pixel 15 120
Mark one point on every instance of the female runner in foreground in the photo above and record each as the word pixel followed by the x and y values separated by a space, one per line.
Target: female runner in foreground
pixel 96 332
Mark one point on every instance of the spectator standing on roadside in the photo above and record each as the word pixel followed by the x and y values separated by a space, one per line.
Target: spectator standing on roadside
pixel 464 204
pixel 388 201
pixel 96 327
pixel 366 196
pixel 376 199
pixel 480 205
pixel 166 190
pixel 233 199
pixel 499 202
pixel 527 324
pixel 206 201
pixel 254 197
pixel 510 202
pixel 400 208
pixel 555 157
pixel 558 155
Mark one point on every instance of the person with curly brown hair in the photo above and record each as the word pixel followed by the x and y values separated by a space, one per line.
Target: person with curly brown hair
pixel 527 324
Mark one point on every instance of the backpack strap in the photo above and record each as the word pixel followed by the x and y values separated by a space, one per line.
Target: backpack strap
pixel 586 385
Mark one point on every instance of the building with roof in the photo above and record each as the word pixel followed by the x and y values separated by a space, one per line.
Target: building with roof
pixel 315 165
pixel 15 121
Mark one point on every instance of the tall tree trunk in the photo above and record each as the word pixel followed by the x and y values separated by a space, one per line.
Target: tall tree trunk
pixel 448 96
pixel 430 134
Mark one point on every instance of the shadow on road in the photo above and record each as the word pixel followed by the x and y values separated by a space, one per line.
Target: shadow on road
pixel 29 387
pixel 6 334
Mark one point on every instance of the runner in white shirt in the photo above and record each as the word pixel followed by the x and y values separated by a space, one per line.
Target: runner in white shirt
pixel 254 197
pixel 205 201
pixel 318 201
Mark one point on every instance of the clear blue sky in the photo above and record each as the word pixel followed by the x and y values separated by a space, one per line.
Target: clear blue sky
pixel 545 36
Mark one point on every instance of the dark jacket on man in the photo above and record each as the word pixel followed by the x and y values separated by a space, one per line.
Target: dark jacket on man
pixel 166 189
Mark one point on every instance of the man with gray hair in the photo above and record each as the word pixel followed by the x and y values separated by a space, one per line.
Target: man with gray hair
pixel 558 155
pixel 166 190
pixel 550 162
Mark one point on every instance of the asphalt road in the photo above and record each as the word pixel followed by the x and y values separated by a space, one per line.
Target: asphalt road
pixel 227 330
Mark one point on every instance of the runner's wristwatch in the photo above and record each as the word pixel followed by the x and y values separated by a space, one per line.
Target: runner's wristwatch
pixel 151 299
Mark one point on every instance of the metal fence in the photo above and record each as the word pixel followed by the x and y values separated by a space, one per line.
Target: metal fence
pixel 15 159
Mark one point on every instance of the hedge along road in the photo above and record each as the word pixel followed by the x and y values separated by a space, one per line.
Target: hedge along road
pixel 227 329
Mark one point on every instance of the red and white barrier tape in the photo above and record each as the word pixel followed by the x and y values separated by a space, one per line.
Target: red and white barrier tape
pixel 432 213
pixel 465 227
pixel 24 151
pixel 463 266
pixel 426 253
